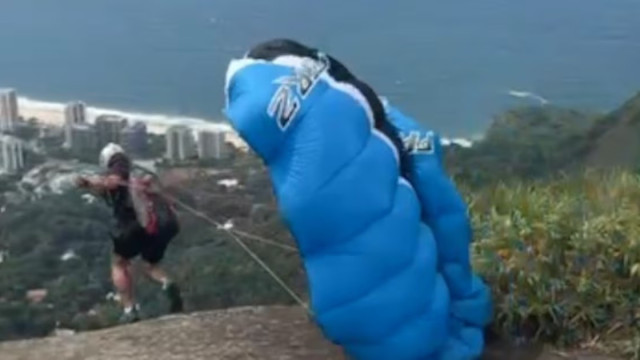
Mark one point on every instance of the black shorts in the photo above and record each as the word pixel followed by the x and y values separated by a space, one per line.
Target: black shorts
pixel 131 240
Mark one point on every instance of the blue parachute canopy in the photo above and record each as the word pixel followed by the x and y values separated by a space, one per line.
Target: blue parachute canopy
pixel 382 231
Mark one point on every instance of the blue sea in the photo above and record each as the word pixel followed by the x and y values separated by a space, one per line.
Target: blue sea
pixel 452 64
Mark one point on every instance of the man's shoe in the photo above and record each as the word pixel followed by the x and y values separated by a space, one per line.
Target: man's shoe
pixel 130 317
pixel 175 299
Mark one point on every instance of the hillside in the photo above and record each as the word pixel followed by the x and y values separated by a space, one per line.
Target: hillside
pixel 523 143
pixel 66 256
pixel 538 142
pixel 614 141
pixel 576 234
pixel 558 251
pixel 265 333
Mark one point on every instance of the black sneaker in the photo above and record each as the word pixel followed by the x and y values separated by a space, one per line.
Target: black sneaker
pixel 130 317
pixel 175 299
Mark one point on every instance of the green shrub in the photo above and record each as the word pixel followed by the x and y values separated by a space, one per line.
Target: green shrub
pixel 563 258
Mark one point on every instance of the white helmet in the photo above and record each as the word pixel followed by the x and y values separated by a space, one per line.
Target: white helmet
pixel 108 152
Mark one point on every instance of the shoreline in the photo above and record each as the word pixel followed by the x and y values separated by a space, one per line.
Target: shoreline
pixel 52 114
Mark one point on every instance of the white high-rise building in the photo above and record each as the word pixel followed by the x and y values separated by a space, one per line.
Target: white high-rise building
pixel 109 129
pixel 212 145
pixel 11 154
pixel 180 143
pixel 135 139
pixel 83 139
pixel 75 114
pixel 8 110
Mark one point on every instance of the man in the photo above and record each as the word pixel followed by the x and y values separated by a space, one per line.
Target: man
pixel 129 238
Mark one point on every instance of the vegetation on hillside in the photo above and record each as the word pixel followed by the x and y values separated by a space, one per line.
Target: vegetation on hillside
pixel 213 270
pixel 563 258
pixel 524 143
pixel 532 143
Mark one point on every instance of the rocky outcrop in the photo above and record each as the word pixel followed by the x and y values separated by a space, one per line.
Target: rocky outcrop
pixel 265 333
pixel 256 333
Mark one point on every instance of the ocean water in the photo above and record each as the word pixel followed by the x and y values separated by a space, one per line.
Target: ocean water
pixel 452 64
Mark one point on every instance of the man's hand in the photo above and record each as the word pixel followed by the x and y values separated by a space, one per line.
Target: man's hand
pixel 82 182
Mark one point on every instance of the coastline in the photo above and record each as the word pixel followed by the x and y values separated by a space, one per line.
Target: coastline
pixel 52 114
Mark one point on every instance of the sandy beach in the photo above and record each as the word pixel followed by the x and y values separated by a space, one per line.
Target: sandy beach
pixel 52 114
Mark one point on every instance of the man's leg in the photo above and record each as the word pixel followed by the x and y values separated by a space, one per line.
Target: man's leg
pixel 152 256
pixel 121 276
pixel 123 282
pixel 125 247
pixel 155 272
pixel 170 288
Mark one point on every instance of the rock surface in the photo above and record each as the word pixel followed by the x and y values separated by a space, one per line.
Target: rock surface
pixel 265 333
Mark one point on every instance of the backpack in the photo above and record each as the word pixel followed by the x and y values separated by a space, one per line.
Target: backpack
pixel 154 212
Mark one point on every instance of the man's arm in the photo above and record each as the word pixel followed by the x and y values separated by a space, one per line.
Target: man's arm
pixel 100 184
